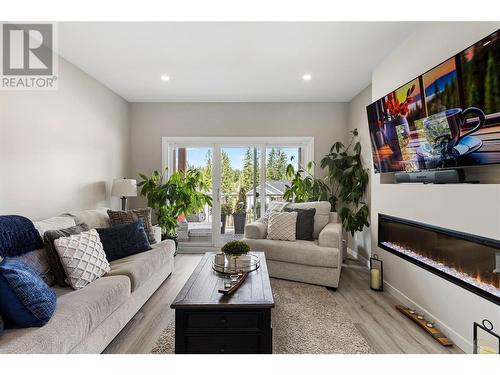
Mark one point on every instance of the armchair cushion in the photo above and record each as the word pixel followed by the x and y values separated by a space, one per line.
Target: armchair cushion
pixel 321 217
pixel 298 252
pixel 256 230
pixel 331 236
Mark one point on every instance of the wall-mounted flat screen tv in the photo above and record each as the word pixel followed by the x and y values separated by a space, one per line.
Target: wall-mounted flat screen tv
pixel 447 117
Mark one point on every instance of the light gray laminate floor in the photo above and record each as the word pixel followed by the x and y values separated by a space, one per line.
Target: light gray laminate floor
pixel 373 313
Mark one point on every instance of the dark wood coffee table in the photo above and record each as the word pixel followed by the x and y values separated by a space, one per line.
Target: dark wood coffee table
pixel 207 322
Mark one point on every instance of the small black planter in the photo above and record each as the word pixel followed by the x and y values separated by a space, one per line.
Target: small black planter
pixel 223 221
pixel 239 222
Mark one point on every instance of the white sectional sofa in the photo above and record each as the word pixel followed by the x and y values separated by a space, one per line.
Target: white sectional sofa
pixel 315 262
pixel 87 320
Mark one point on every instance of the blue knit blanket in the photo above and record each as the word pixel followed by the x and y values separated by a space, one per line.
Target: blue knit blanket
pixel 18 236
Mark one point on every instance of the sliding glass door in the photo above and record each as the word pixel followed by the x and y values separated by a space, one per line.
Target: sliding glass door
pixel 243 175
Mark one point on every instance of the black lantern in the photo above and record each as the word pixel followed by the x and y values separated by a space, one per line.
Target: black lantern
pixel 376 273
pixel 485 340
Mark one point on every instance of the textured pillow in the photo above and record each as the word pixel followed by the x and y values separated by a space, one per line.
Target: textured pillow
pixel 131 216
pixel 25 299
pixel 18 236
pixel 281 226
pixel 120 241
pixel 53 257
pixel 274 206
pixel 305 223
pixel 82 257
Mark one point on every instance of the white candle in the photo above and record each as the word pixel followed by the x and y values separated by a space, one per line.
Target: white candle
pixel 375 278
pixel 486 350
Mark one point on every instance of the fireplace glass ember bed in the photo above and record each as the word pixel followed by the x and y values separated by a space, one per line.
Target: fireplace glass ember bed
pixel 473 262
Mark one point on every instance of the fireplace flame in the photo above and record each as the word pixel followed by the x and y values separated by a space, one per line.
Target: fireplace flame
pixel 488 281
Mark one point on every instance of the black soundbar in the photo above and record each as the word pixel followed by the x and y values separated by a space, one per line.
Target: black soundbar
pixel 445 176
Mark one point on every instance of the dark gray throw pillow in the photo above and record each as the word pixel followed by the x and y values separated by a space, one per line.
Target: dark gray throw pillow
pixel 131 216
pixel 53 258
pixel 120 241
pixel 304 227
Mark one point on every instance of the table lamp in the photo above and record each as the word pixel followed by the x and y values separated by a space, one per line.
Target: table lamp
pixel 124 187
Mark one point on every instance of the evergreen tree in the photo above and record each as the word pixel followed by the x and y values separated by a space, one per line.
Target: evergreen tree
pixel 491 89
pixel 227 182
pixel 247 174
pixel 206 171
pixel 270 167
pixel 280 166
pixel 472 97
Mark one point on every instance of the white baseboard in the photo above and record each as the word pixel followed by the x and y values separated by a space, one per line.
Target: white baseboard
pixel 458 339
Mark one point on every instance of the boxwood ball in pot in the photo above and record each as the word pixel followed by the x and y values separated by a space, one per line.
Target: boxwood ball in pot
pixel 235 248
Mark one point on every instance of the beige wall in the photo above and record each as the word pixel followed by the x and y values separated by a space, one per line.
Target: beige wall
pixel 326 122
pixel 361 243
pixel 60 150
pixel 473 208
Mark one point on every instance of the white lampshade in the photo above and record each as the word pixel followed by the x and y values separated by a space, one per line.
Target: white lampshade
pixel 124 187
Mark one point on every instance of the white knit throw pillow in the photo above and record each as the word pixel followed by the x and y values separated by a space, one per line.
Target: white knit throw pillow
pixel 83 258
pixel 281 226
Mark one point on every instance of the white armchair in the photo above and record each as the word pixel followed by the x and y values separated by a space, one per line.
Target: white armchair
pixel 316 262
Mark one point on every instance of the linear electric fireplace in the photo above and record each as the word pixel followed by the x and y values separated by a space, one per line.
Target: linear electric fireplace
pixel 467 260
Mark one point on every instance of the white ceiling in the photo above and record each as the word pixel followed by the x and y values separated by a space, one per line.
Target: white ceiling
pixel 231 62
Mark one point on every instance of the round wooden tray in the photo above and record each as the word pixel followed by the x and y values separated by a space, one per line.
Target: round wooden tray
pixel 229 264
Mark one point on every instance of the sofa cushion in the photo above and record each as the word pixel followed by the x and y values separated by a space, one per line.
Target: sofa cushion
pixel 25 299
pixel 299 252
pixel 304 227
pixel 38 261
pixel 321 217
pixel 281 226
pixel 82 257
pixel 97 218
pixel 120 241
pixel 140 267
pixel 131 216
pixel 54 223
pixel 77 314
pixel 18 236
pixel 52 256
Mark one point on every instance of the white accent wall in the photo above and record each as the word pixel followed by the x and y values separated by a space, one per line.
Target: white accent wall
pixel 472 208
pixel 60 150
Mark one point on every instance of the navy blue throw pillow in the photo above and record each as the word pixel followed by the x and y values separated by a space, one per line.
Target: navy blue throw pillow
pixel 25 299
pixel 18 236
pixel 120 241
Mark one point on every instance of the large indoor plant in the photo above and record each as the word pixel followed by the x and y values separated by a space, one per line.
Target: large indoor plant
pixel 347 179
pixel 240 212
pixel 303 187
pixel 179 194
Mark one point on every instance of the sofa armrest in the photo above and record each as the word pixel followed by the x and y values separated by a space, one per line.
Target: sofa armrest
pixel 256 230
pixel 331 236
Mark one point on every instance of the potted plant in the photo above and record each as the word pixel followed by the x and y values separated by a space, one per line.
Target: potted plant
pixel 180 194
pixel 240 212
pixel 225 211
pixel 235 248
pixel 303 186
pixel 348 180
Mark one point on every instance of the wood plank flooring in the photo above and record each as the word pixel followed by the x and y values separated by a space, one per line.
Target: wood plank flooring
pixel 373 313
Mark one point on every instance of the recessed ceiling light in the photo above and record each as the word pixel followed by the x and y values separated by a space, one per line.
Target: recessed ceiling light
pixel 165 78
pixel 307 77
pixel 488 42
